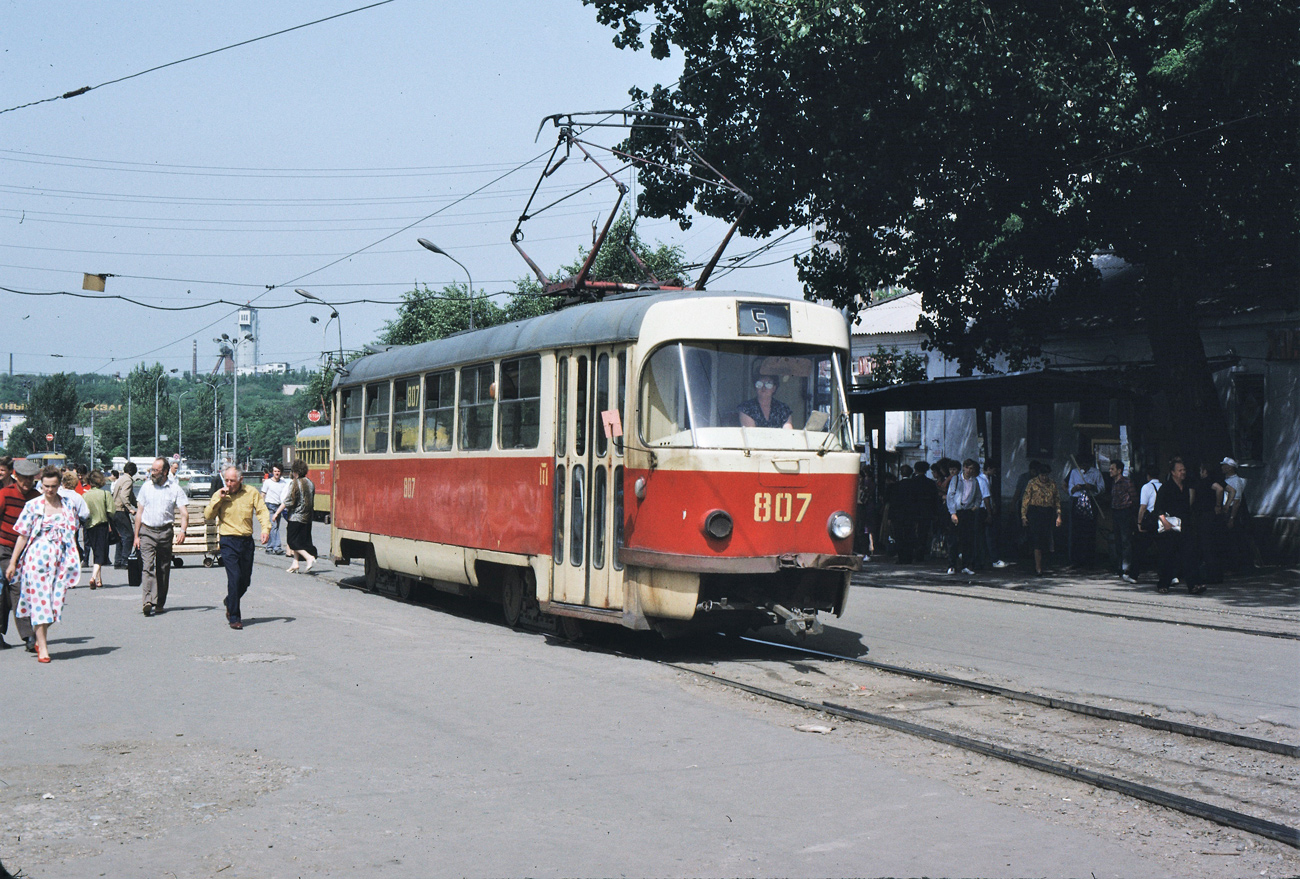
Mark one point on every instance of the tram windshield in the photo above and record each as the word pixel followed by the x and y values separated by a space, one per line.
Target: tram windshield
pixel 732 395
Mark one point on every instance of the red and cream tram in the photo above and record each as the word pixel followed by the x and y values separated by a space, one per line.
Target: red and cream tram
pixel 596 463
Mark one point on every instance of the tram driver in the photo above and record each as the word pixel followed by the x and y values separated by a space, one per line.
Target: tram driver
pixel 763 409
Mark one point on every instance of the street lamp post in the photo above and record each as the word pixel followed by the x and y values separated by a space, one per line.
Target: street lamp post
pixel 334 315
pixel 429 245
pixel 91 408
pixel 156 385
pixel 234 405
pixel 180 421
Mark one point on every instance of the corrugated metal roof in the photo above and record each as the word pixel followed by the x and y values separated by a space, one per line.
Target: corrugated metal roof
pixel 595 323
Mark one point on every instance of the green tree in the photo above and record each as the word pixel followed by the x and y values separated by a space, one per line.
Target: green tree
pixel 981 153
pixel 136 398
pixel 892 366
pixel 425 315
pixel 54 409
pixel 614 261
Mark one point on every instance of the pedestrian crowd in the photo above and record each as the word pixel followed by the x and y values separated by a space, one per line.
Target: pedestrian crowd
pixel 1188 529
pixel 46 511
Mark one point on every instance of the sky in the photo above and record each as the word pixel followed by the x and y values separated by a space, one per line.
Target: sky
pixel 313 159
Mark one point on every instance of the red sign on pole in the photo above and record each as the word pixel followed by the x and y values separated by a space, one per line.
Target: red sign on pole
pixel 49 437
pixel 313 416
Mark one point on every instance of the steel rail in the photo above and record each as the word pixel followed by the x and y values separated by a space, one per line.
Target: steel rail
pixel 1207 811
pixel 1156 723
pixel 1238 630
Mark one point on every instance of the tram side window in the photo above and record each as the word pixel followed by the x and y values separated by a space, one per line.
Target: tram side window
pixel 439 410
pixel 476 407
pixel 520 402
pixel 602 402
pixel 406 414
pixel 350 421
pixel 622 394
pixel 663 399
pixel 377 417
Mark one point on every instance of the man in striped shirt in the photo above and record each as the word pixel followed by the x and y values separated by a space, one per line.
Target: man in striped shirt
pixel 13 498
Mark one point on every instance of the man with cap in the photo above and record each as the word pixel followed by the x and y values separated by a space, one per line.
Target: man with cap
pixel 13 498
pixel 1234 514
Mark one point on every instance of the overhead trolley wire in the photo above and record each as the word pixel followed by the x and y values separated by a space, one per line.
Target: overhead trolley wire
pixel 86 88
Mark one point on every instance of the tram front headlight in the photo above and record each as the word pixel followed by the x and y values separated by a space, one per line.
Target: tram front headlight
pixel 840 525
pixel 718 524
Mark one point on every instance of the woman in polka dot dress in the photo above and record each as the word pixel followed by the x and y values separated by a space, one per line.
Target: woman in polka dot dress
pixel 47 549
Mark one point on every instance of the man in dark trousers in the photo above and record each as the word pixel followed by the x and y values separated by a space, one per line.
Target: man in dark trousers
pixel 13 498
pixel 1173 511
pixel 233 506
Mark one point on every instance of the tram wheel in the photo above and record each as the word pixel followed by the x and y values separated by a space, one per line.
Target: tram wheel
pixel 404 586
pixel 372 571
pixel 571 628
pixel 512 597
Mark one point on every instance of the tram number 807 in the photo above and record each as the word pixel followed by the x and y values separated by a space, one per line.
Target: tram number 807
pixel 780 507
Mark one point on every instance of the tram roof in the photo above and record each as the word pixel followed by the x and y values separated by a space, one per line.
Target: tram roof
pixel 593 323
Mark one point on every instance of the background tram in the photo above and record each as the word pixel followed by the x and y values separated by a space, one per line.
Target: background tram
pixel 592 464
pixel 312 446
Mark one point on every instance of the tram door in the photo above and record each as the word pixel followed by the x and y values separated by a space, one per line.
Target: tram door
pixel 591 395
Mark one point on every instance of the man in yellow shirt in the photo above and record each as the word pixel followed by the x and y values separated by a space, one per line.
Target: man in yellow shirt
pixel 233 507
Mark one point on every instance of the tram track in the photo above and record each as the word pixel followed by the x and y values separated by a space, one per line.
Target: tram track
pixel 1156 723
pixel 1240 782
pixel 1110 614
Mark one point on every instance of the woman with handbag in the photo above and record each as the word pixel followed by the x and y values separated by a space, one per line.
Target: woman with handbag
pixel 45 557
pixel 100 503
pixel 299 505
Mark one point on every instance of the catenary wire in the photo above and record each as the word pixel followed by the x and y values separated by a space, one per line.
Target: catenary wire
pixel 86 88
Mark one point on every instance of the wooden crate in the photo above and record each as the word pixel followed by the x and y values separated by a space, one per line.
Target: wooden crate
pixel 201 541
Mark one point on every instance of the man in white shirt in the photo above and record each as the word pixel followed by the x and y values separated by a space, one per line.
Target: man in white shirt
pixel 1083 482
pixel 157 502
pixel 1240 553
pixel 273 491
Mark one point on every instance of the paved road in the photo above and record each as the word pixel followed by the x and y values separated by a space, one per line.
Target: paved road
pixel 342 733
pixel 973 627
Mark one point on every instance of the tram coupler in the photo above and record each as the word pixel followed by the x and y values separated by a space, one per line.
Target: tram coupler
pixel 799 623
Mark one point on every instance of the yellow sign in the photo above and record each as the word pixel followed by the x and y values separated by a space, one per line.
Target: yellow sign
pixel 779 507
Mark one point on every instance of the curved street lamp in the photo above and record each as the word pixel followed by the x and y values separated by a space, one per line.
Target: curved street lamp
pixel 429 245
pixel 90 407
pixel 156 385
pixel 334 315
pixel 234 405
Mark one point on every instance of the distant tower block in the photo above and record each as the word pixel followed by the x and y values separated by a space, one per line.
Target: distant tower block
pixel 247 357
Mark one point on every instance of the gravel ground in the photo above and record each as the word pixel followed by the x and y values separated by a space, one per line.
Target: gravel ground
pixel 1262 784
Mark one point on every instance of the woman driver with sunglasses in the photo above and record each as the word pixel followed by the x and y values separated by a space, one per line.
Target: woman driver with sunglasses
pixel 764 410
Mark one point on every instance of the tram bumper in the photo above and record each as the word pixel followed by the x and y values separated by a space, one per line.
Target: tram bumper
pixel 821 561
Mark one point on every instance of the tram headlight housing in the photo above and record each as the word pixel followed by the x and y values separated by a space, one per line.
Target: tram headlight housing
pixel 840 525
pixel 718 524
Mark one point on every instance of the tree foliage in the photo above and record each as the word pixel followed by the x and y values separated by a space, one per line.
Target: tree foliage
pixel 892 366
pixel 425 314
pixel 614 262
pixel 54 409
pixel 980 153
